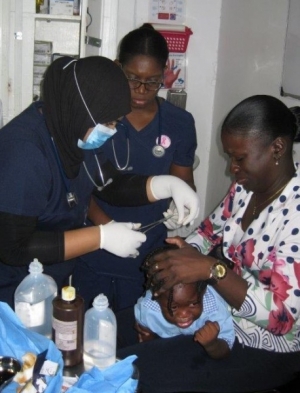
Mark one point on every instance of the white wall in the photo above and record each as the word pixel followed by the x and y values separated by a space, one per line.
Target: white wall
pixel 250 58
pixel 236 51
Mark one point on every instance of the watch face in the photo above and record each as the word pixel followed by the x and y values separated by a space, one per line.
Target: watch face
pixel 220 270
pixel 217 272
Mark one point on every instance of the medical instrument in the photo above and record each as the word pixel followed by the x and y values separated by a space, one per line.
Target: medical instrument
pixel 146 228
pixel 99 188
pixel 70 195
pixel 158 150
pixel 125 167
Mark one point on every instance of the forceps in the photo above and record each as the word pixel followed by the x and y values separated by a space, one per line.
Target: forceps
pixel 146 228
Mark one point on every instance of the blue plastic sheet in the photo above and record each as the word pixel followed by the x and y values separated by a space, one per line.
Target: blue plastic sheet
pixel 117 378
pixel 16 340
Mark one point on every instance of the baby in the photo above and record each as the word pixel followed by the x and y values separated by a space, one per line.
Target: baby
pixel 190 309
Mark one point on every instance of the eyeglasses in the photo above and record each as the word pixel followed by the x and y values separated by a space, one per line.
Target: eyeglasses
pixel 150 86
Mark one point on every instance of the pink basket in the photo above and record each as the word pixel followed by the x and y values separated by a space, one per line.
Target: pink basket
pixel 177 40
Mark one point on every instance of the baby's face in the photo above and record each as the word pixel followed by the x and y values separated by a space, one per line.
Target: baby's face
pixel 186 305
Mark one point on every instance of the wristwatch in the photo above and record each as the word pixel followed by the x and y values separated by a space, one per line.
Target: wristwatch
pixel 217 272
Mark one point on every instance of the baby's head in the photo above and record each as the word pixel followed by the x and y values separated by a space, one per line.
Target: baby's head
pixel 183 303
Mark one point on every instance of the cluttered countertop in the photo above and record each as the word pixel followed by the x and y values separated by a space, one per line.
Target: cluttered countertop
pixel 44 367
pixel 51 376
pixel 49 344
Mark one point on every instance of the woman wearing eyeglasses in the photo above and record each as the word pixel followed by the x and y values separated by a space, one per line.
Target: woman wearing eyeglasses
pixel 156 137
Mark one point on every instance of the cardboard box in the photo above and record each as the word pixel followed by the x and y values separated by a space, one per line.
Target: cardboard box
pixel 43 47
pixel 41 59
pixel 61 7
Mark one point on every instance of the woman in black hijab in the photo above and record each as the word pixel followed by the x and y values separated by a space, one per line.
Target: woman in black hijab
pixel 47 180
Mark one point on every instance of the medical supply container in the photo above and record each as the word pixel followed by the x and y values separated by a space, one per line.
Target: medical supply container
pixel 33 300
pixel 67 325
pixel 100 335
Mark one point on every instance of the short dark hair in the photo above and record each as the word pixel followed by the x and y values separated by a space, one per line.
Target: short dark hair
pixel 144 41
pixel 264 116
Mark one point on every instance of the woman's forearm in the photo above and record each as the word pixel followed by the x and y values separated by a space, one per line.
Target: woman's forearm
pixel 96 215
pixel 81 241
pixel 233 289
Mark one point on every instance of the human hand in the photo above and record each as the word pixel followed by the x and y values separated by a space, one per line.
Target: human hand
pixel 172 212
pixel 169 75
pixel 207 334
pixel 144 333
pixel 121 238
pixel 182 265
pixel 168 186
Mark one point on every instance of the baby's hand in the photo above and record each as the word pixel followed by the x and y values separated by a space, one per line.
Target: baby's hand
pixel 207 334
pixel 144 333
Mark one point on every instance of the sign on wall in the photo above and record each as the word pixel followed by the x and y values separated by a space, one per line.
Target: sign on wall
pixel 167 11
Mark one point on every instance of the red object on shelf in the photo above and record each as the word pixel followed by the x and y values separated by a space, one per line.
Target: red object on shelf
pixel 177 40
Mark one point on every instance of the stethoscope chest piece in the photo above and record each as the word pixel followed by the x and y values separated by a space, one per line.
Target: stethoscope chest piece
pixel 158 151
pixel 72 199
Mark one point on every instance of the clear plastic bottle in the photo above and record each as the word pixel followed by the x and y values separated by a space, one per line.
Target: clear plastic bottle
pixel 67 325
pixel 100 335
pixel 33 300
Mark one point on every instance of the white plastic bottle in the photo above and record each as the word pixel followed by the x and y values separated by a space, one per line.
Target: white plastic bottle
pixel 33 300
pixel 100 335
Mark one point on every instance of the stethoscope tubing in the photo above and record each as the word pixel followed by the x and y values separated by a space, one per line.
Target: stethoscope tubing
pixel 158 150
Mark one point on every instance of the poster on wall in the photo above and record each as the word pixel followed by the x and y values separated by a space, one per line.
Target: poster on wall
pixel 167 11
pixel 175 73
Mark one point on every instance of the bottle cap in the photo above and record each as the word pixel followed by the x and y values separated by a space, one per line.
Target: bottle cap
pixel 35 267
pixel 68 293
pixel 100 302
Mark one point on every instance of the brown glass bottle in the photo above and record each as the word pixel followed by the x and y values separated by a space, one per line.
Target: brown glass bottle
pixel 67 325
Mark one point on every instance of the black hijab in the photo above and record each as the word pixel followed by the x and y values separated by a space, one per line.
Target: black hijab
pixel 105 91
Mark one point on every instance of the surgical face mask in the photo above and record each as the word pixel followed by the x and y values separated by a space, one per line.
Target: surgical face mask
pixel 97 137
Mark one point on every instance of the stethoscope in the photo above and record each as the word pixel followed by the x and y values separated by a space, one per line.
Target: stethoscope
pixel 71 195
pixel 158 150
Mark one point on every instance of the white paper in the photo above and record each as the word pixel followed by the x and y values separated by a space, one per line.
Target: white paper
pixel 167 11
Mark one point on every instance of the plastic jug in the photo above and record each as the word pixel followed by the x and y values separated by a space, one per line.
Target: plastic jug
pixel 33 300
pixel 100 335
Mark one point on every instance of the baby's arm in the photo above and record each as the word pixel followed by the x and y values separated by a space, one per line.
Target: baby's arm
pixel 144 333
pixel 207 336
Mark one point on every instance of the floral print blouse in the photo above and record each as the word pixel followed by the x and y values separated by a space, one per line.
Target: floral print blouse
pixel 267 255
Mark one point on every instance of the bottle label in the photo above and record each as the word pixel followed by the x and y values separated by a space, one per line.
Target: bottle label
pixel 65 334
pixel 31 314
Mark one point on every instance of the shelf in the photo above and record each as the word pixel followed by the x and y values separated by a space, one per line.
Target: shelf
pixel 51 17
